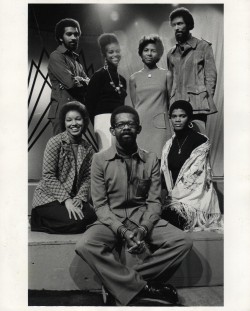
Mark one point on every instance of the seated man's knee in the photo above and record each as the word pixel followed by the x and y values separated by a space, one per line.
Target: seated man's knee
pixel 82 245
pixel 188 242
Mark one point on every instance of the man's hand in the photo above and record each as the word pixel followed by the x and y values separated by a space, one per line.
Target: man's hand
pixel 140 233
pixel 73 210
pixel 79 81
pixel 135 246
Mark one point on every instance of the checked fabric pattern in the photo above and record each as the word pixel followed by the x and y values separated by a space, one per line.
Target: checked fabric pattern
pixel 59 171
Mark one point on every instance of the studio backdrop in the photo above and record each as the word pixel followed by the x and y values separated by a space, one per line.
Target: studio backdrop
pixel 129 22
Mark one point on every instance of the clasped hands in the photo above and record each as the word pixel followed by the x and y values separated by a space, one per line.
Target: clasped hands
pixel 74 207
pixel 135 240
pixel 78 81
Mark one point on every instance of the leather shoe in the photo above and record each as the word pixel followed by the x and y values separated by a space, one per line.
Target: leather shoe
pixel 165 292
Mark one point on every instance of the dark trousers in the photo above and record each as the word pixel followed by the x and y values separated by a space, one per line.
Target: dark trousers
pixel 54 218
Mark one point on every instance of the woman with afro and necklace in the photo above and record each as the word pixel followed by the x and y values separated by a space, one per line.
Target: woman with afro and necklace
pixel 106 90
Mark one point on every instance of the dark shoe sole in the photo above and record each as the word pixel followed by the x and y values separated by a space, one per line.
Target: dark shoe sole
pixel 154 302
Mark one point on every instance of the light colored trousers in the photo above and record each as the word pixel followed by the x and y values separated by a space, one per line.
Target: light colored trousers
pixel 168 244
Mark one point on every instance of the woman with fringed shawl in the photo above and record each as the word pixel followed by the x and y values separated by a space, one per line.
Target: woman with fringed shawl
pixel 191 203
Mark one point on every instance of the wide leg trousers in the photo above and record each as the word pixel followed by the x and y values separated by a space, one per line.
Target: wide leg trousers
pixel 168 244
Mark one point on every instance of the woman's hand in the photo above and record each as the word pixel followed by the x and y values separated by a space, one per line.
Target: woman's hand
pixel 78 203
pixel 73 210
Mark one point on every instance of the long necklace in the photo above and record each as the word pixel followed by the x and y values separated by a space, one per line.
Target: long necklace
pixel 117 88
pixel 179 151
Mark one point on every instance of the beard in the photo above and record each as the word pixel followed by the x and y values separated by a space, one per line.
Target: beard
pixel 181 36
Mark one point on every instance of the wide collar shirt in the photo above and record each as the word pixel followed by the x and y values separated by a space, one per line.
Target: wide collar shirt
pixel 119 196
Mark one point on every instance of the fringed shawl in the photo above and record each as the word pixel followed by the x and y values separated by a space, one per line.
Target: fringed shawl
pixel 193 196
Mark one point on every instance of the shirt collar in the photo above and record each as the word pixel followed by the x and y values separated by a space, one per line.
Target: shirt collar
pixel 112 154
pixel 192 41
pixel 62 49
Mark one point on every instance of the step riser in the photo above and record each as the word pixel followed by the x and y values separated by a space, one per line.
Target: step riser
pixel 57 267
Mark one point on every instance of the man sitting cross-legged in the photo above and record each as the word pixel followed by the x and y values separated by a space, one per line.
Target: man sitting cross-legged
pixel 126 192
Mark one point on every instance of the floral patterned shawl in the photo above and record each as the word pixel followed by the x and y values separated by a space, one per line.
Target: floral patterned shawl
pixel 193 196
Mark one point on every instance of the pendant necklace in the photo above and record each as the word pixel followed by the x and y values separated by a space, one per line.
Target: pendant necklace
pixel 179 151
pixel 149 75
pixel 117 88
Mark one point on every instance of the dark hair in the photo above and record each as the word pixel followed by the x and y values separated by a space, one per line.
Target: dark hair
pixel 184 105
pixel 66 22
pixel 155 39
pixel 76 106
pixel 185 14
pixel 105 39
pixel 124 109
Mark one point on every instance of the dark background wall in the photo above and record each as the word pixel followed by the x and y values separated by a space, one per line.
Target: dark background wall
pixel 129 22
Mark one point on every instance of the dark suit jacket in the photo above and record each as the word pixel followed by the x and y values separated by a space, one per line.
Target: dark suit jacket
pixel 63 67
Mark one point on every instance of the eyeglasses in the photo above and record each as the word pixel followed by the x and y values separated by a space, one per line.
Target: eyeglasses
pixel 121 125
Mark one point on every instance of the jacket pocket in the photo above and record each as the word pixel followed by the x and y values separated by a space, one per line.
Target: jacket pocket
pixel 142 187
pixel 198 97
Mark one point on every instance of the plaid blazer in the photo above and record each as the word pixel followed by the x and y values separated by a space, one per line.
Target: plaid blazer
pixel 59 171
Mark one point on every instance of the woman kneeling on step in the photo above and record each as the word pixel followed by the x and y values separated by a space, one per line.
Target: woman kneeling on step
pixel 61 198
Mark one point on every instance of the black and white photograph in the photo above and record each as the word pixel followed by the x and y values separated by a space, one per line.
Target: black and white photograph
pixel 125 157
pixel 127 175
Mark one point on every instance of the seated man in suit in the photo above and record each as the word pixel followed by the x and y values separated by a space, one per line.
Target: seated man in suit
pixel 126 192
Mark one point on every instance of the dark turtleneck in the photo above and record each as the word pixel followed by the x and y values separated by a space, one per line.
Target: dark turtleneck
pixel 101 96
pixel 188 139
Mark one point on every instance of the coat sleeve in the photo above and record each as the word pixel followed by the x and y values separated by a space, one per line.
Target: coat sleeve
pixel 50 170
pixel 60 69
pixel 153 211
pixel 99 196
pixel 83 191
pixel 169 82
pixel 170 66
pixel 210 70
pixel 132 90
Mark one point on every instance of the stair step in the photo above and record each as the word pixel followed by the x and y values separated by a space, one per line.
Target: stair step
pixel 54 265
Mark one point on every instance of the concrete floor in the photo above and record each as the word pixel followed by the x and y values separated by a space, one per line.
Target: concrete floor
pixel 192 296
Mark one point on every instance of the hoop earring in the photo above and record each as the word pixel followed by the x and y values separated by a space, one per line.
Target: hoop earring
pixel 105 64
pixel 190 125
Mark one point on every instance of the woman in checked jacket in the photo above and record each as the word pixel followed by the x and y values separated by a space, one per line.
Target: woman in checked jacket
pixel 60 203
